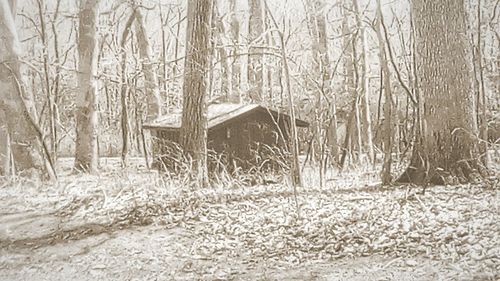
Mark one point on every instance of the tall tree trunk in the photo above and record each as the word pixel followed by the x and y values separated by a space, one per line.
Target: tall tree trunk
pixel 255 30
pixel 24 137
pixel 481 93
pixel 193 134
pixel 47 82
pixel 225 74
pixel 56 89
pixel 151 80
pixel 317 29
pixel 86 154
pixel 175 66
pixel 447 146
pixel 364 85
pixel 350 80
pixel 124 90
pixel 235 63
pixel 388 123
pixel 153 97
pixel 164 55
pixel 268 62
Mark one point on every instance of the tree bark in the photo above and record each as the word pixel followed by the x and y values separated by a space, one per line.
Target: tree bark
pixel 193 134
pixel 365 85
pixel 481 93
pixel 150 78
pixel 225 73
pixel 16 105
pixel 46 76
pixel 388 123
pixel 317 28
pixel 124 90
pixel 235 63
pixel 447 144
pixel 86 154
pixel 350 81
pixel 255 30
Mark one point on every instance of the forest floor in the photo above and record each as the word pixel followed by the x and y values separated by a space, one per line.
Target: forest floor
pixel 130 224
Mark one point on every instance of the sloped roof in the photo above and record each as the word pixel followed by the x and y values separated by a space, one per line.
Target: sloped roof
pixel 218 115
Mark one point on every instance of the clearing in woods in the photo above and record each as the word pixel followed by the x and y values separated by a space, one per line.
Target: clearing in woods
pixel 129 225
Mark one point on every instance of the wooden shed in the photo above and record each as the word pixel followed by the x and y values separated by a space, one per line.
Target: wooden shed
pixel 238 135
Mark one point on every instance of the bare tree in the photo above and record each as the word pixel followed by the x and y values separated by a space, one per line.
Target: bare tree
pixel 386 76
pixel 235 64
pixel 86 150
pixel 477 53
pixel 295 164
pixel 124 89
pixel 218 41
pixel 350 83
pixel 364 83
pixel 23 135
pixel 317 29
pixel 151 80
pixel 47 76
pixel 255 30
pixel 447 146
pixel 193 135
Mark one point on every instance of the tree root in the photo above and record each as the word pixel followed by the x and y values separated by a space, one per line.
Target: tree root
pixel 462 172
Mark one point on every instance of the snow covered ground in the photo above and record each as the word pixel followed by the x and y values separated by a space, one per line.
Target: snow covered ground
pixel 129 225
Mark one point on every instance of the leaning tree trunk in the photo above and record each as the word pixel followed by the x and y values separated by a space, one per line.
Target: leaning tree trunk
pixel 16 105
pixel 447 146
pixel 86 155
pixel 193 134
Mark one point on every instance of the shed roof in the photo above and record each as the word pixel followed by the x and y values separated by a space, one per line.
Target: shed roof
pixel 218 115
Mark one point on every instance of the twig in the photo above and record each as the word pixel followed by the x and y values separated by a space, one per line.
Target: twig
pixel 391 262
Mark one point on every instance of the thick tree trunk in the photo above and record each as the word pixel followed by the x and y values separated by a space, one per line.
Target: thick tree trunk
pixel 86 154
pixel 193 135
pixel 16 105
pixel 447 145
pixel 255 30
